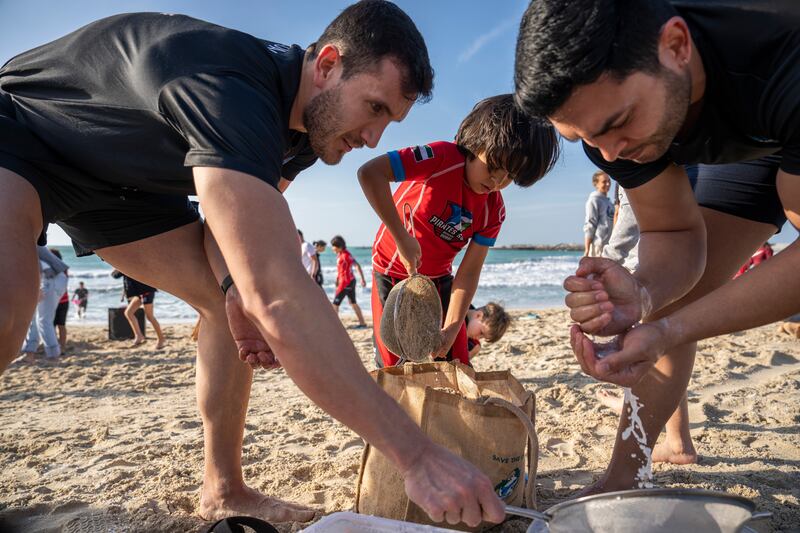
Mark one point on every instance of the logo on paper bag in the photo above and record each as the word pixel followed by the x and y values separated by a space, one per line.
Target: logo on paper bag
pixel 506 487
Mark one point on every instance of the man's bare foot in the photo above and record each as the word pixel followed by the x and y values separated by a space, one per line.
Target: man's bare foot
pixel 611 399
pixel 678 453
pixel 137 341
pixel 160 345
pixel 792 328
pixel 250 502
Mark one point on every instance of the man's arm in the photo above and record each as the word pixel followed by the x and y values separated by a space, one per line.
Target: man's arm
pixel 605 299
pixel 374 177
pixel 464 286
pixel 277 294
pixel 589 225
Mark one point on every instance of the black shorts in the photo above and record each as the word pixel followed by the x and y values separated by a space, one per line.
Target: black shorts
pixel 94 213
pixel 146 297
pixel 61 314
pixel 349 291
pixel 746 190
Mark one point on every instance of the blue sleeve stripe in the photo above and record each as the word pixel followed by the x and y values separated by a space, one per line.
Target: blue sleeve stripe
pixel 397 166
pixel 483 241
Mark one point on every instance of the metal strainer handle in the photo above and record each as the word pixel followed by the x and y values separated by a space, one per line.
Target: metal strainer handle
pixel 527 513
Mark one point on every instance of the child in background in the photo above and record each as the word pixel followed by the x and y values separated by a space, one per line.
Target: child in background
pixel 489 322
pixel 319 247
pixel 345 280
pixel 449 198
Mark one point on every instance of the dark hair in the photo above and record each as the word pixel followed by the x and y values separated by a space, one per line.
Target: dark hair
pixel 338 241
pixel 56 253
pixel 370 30
pixel 320 243
pixel 301 234
pixel 526 147
pixel 496 319
pixel 562 45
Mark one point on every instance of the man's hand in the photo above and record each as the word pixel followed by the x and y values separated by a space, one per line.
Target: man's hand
pixel 410 253
pixel 252 347
pixel 626 359
pixel 448 337
pixel 604 298
pixel 449 488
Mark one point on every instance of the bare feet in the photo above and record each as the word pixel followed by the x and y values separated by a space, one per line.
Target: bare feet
pixel 791 328
pixel 160 345
pixel 611 399
pixel 676 453
pixel 137 341
pixel 250 502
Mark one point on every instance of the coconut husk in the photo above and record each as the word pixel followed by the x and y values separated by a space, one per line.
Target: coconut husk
pixel 412 319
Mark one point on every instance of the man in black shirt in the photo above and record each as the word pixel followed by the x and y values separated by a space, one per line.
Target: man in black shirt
pixel 648 86
pixel 108 129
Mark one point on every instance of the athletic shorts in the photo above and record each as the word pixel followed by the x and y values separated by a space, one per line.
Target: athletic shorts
pixel 349 291
pixel 146 297
pixel 95 214
pixel 746 190
pixel 61 314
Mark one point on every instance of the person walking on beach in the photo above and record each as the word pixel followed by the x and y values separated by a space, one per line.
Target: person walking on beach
pixel 42 328
pixel 108 130
pixel 647 89
pixel 60 319
pixel 345 280
pixel 81 299
pixel 599 216
pixel 309 256
pixel 139 294
pixel 319 247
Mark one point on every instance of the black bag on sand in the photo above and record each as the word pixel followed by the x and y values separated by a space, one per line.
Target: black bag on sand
pixel 234 524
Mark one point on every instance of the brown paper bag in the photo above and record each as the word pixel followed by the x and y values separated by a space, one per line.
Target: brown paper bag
pixel 487 418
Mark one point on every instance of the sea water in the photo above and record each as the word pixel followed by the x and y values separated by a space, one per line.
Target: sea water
pixel 518 279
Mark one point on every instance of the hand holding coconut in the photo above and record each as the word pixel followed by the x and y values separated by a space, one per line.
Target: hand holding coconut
pixel 410 252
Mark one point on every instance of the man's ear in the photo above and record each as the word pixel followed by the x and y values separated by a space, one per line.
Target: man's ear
pixel 675 44
pixel 327 66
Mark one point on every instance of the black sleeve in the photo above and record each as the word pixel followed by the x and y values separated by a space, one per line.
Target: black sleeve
pixel 298 163
pixel 228 123
pixel 628 174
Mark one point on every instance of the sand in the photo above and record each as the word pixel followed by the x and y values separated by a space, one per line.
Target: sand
pixel 110 436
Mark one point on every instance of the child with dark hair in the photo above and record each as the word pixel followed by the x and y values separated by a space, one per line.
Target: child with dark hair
pixel 449 198
pixel 489 323
pixel 345 280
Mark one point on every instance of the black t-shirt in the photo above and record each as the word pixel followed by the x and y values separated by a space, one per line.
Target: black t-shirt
pixel 82 294
pixel 751 105
pixel 136 100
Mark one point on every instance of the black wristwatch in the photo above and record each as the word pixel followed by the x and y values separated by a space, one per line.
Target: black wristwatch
pixel 226 284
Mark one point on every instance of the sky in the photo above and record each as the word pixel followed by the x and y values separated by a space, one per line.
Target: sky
pixel 471 47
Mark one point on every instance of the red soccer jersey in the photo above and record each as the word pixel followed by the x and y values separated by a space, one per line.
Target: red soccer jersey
pixel 445 212
pixel 344 270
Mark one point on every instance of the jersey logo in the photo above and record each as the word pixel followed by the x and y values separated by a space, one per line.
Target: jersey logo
pixel 421 153
pixel 276 48
pixel 452 224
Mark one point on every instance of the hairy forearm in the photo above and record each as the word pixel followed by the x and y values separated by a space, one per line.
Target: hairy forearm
pixel 326 367
pixel 670 264
pixel 751 300
pixel 214 255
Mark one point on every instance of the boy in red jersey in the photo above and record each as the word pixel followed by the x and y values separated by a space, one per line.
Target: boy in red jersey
pixel 449 198
pixel 345 280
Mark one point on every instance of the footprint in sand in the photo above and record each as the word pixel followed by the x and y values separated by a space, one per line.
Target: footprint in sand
pixel 560 447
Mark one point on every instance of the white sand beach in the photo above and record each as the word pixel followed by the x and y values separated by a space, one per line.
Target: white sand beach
pixel 111 436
